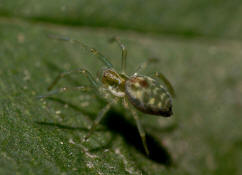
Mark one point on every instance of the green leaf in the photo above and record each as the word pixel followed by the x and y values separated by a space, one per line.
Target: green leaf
pixel 46 136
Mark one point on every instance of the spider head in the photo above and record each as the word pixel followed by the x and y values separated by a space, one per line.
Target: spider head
pixel 114 82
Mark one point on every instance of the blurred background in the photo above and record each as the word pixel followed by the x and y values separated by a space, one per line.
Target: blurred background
pixel 199 48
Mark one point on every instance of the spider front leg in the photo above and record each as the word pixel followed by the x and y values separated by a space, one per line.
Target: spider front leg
pixel 100 56
pixel 124 52
pixel 100 116
pixel 82 71
pixel 167 83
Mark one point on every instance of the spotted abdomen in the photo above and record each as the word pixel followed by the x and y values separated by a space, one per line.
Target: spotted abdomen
pixel 148 96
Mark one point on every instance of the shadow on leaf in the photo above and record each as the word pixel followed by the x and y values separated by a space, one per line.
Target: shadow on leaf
pixel 118 124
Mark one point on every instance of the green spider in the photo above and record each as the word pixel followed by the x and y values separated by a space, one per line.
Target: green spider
pixel 143 92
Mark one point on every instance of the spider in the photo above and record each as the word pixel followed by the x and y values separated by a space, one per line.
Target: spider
pixel 142 92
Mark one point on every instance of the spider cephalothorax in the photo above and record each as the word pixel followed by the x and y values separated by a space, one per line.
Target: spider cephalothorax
pixel 114 82
pixel 143 92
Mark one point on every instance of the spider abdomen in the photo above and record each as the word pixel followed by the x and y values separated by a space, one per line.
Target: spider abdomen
pixel 148 96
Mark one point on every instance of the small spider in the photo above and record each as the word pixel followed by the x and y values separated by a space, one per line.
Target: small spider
pixel 143 92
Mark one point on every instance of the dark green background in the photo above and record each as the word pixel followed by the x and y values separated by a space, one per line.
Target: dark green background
pixel 199 47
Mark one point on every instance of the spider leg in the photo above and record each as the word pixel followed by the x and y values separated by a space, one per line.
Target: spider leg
pixel 145 64
pixel 141 130
pixel 82 71
pixel 139 126
pixel 84 46
pixel 78 88
pixel 167 83
pixel 100 116
pixel 124 53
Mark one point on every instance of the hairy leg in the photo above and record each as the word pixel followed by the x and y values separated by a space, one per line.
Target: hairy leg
pixel 84 46
pixel 139 126
pixel 167 83
pixel 124 52
pixel 141 130
pixel 64 74
pixel 145 64
pixel 100 116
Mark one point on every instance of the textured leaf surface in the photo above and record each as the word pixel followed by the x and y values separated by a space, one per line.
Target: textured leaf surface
pixel 46 136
